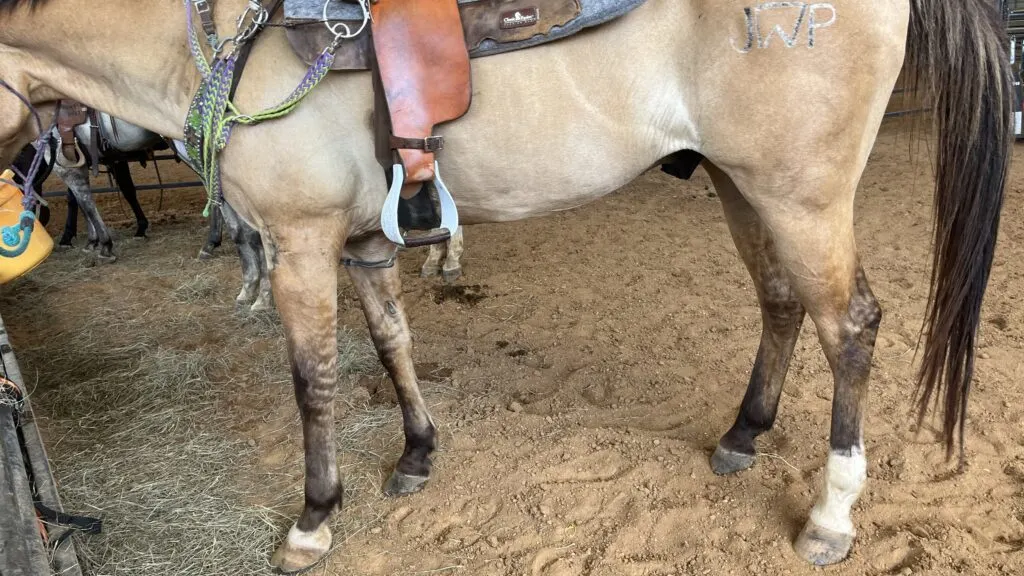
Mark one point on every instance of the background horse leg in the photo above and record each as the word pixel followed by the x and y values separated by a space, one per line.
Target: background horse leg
pixel 216 234
pixel 811 220
pixel 305 280
pixel 452 269
pixel 781 317
pixel 432 265
pixel 265 298
pixel 70 223
pixel 77 180
pixel 248 256
pixel 123 177
pixel 380 292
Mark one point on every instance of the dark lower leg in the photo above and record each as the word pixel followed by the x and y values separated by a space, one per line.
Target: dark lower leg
pixel 216 233
pixel 380 293
pixel 781 315
pixel 71 222
pixel 123 177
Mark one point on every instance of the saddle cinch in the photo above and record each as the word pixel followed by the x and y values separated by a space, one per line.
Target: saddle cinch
pixel 419 53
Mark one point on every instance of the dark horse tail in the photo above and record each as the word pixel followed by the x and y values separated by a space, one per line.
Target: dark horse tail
pixel 957 58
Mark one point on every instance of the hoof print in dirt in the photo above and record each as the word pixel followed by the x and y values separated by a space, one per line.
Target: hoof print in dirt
pixel 470 294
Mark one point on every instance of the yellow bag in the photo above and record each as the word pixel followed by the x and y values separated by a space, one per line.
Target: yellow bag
pixel 40 245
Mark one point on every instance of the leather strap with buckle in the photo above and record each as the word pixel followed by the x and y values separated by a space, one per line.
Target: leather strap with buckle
pixel 428 144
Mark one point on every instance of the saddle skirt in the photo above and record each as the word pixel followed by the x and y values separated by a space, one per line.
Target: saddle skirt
pixel 490 26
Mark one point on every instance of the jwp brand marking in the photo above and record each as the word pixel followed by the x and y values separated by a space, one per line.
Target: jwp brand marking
pixel 520 18
pixel 818 15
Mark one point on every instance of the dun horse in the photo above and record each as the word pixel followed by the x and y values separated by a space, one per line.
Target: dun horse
pixel 782 99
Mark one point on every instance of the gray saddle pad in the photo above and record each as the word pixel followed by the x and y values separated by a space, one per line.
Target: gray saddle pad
pixel 592 13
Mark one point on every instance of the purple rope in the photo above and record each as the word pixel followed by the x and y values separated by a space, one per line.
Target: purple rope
pixel 31 199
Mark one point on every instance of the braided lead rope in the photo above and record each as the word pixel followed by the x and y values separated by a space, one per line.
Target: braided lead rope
pixel 212 115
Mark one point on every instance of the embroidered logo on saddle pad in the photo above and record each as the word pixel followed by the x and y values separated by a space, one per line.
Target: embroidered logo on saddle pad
pixel 520 18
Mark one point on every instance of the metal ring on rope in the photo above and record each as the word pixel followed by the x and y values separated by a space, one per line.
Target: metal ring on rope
pixel 340 30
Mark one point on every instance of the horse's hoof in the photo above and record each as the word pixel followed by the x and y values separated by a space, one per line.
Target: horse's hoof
pixel 401 484
pixel 261 305
pixel 449 276
pixel 725 461
pixel 140 237
pixel 106 258
pixel 205 254
pixel 821 546
pixel 301 550
pixel 63 247
pixel 89 248
pixel 140 232
pixel 428 272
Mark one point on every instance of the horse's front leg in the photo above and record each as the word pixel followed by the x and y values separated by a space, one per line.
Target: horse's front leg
pixel 380 291
pixel 305 284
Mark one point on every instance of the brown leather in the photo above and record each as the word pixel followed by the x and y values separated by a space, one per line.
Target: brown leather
pixel 423 64
pixel 69 115
pixel 514 20
pixel 430 144
pixel 480 21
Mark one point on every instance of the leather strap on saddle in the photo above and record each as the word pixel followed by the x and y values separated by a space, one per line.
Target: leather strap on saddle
pixel 423 68
pixel 70 114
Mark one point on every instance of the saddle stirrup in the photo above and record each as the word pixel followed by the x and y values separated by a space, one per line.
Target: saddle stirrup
pixel 389 214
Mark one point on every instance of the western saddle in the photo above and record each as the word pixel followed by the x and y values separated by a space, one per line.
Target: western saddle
pixel 419 53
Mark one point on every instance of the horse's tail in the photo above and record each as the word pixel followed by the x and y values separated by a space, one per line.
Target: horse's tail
pixel 957 58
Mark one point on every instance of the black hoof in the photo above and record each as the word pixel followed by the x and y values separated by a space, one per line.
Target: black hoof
pixel 401 484
pixel 143 226
pixel 725 461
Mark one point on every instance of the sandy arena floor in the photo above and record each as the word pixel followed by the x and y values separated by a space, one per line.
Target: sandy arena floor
pixel 581 372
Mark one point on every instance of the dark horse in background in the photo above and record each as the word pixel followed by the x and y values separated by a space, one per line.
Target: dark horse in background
pixel 115 143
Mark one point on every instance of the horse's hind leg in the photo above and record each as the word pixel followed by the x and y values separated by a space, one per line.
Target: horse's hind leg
pixel 380 291
pixel 77 180
pixel 123 177
pixel 432 265
pixel 452 268
pixel 781 318
pixel 811 219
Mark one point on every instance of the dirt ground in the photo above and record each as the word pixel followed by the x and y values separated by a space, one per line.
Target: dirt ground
pixel 581 373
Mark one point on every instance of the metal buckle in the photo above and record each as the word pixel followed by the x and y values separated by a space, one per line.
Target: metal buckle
pixel 433 144
pixel 202 6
